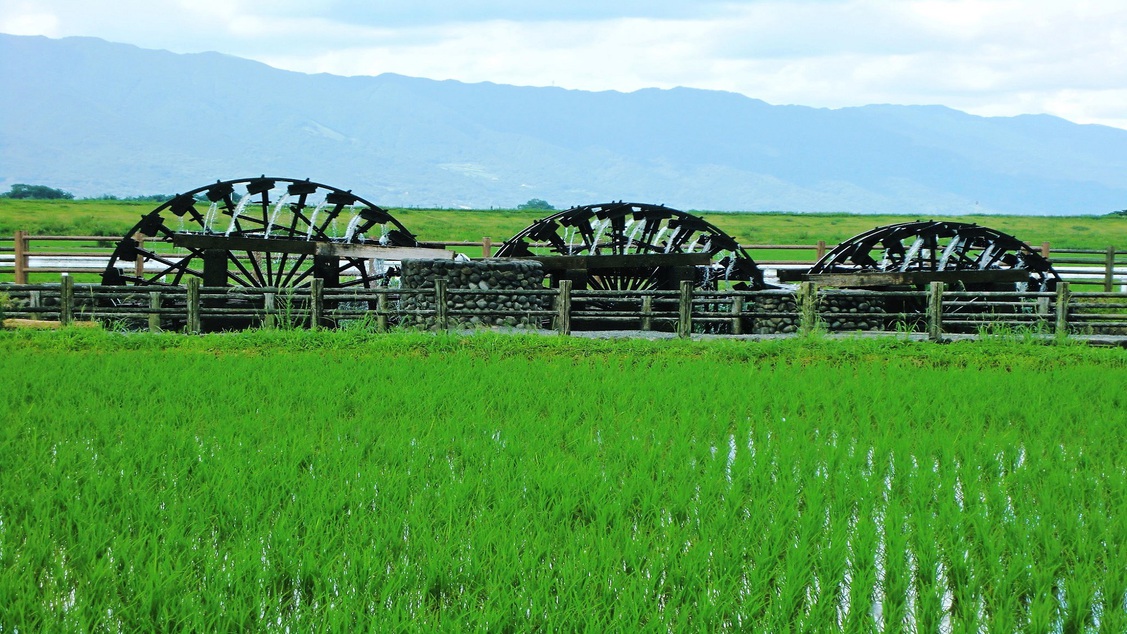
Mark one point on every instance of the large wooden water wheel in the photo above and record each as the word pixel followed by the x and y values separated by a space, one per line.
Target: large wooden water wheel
pixel 634 246
pixel 264 232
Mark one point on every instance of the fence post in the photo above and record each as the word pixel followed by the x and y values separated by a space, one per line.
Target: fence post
pixel 563 308
pixel 737 311
pixel 685 310
pixel 1045 250
pixel 1109 270
pixel 647 312
pixel 20 262
pixel 193 325
pixel 381 310
pixel 821 249
pixel 1063 297
pixel 316 302
pixel 807 307
pixel 486 247
pixel 268 320
pixel 441 320
pixel 935 311
pixel 139 265
pixel 154 317
pixel 66 300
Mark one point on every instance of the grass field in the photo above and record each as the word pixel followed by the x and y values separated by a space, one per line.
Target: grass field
pixel 291 481
pixel 114 218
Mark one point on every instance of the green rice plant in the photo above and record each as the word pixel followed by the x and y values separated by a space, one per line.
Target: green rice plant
pixel 413 481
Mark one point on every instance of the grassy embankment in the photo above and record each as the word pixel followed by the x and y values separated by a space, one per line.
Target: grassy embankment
pixel 308 481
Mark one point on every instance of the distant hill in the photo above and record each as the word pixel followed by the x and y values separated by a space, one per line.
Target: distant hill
pixel 94 117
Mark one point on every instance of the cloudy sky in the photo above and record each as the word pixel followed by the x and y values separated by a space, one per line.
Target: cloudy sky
pixel 990 57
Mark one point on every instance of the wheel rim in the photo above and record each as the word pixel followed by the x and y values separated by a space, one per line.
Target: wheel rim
pixel 621 228
pixel 255 226
pixel 937 246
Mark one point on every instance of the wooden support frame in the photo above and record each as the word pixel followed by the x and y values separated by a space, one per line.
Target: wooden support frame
pixel 595 262
pixel 215 267
pixel 303 247
pixel 915 278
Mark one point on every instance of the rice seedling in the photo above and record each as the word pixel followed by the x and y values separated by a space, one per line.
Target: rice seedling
pixel 310 481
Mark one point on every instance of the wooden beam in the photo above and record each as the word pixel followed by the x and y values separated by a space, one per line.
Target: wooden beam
pixel 912 278
pixel 346 250
pixel 241 243
pixel 329 249
pixel 792 275
pixel 641 260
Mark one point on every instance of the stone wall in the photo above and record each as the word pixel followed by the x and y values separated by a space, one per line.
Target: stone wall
pixel 838 312
pixel 842 313
pixel 783 310
pixel 490 306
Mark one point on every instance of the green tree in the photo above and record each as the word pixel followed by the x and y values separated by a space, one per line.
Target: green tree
pixel 536 203
pixel 37 192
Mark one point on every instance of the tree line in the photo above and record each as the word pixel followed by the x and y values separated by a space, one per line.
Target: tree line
pixel 23 191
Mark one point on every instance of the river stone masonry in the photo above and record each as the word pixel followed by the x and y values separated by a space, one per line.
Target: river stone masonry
pixel 840 312
pixel 837 311
pixel 783 311
pixel 491 306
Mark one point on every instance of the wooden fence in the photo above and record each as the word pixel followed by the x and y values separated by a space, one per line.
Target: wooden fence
pixel 934 311
pixel 1103 269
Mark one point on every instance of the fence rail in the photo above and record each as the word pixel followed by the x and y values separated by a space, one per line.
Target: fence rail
pixel 1106 269
pixel 934 312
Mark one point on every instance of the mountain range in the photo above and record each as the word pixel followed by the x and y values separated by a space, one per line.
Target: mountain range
pixel 94 117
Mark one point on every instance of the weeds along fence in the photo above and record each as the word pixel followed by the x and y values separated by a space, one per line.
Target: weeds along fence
pixel 934 312
pixel 23 255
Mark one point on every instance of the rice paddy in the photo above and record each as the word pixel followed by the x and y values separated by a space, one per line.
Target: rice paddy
pixel 294 481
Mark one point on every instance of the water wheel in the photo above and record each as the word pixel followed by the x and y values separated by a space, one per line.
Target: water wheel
pixel 260 232
pixel 634 246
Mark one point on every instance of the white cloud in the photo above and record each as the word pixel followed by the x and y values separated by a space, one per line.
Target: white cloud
pixel 20 23
pixel 985 56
